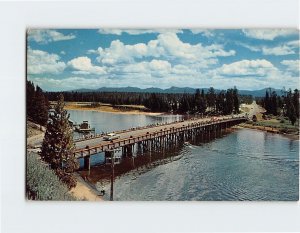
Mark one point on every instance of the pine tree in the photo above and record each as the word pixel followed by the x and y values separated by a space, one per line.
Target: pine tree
pixel 58 145
pixel 211 98
pixel 40 107
pixel 274 103
pixel 37 104
pixel 296 102
pixel 292 115
pixel 30 96
pixel 236 101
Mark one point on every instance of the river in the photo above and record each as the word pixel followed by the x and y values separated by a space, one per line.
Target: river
pixel 242 164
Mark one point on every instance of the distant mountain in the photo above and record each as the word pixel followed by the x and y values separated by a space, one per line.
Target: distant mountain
pixel 259 93
pixel 255 93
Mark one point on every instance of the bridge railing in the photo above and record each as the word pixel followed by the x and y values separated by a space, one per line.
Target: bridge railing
pixel 163 132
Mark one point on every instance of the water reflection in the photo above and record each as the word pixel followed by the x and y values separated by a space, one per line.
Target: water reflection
pixel 108 122
pixel 242 165
pixel 141 161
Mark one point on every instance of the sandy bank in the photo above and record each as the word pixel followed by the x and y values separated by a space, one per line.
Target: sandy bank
pixel 109 109
pixel 268 129
pixel 83 191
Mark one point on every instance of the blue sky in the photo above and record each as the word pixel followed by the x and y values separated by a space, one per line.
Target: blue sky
pixel 92 58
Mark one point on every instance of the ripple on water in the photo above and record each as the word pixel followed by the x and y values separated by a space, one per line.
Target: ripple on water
pixel 240 166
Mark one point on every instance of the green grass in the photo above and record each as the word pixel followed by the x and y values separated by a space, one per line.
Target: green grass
pixel 42 183
pixel 280 123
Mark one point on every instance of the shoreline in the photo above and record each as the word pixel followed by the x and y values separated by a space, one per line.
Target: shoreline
pixel 113 110
pixel 84 191
pixel 268 130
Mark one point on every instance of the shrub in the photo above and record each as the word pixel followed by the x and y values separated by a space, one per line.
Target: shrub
pixel 254 118
pixel 42 182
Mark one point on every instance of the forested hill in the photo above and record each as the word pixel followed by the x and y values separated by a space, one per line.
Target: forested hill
pixel 178 90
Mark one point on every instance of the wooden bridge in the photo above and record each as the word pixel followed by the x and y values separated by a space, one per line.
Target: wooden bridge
pixel 154 137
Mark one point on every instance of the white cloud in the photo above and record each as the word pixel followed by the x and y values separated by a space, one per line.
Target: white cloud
pixel 92 51
pixel 256 68
pixel 293 43
pixel 70 83
pixel 135 31
pixel 269 34
pixel 120 53
pixel 153 68
pixel 40 62
pixel 167 46
pixel 292 65
pixel 205 32
pixel 278 50
pixel 46 36
pixel 83 65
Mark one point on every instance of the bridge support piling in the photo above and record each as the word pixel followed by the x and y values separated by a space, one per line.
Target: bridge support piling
pixel 87 162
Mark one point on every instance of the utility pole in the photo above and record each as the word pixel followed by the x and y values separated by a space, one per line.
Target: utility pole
pixel 112 175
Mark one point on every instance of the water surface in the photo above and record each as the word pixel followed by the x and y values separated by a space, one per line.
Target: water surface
pixel 241 165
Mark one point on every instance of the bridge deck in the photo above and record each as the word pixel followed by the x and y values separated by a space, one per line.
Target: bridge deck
pixel 97 145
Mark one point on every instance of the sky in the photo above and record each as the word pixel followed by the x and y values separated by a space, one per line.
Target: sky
pixel 250 59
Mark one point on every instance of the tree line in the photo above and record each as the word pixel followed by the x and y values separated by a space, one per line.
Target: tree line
pixel 58 146
pixel 287 104
pixel 37 104
pixel 221 102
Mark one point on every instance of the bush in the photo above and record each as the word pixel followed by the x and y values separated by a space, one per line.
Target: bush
pixel 282 121
pixel 42 182
pixel 66 178
pixel 254 118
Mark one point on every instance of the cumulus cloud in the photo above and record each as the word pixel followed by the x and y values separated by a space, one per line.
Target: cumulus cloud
pixel 279 50
pixel 153 68
pixel 118 52
pixel 256 68
pixel 165 61
pixel 167 46
pixel 46 36
pixel 92 51
pixel 135 31
pixel 83 65
pixel 269 34
pixel 293 43
pixel 204 32
pixel 41 62
pixel 292 65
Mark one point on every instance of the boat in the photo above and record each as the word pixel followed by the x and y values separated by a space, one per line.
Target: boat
pixel 84 127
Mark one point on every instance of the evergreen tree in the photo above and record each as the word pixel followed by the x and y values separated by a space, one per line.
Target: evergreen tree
pixel 296 102
pixel 273 109
pixel 30 97
pixel 40 107
pixel 37 104
pixel 198 101
pixel 267 102
pixel 292 115
pixel 58 145
pixel 211 98
pixel 236 101
pixel 184 105
pixel 221 102
pixel 229 102
pixel 202 94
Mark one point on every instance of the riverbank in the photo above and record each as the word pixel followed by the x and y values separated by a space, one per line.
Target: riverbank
pixel 83 191
pixel 34 129
pixel 269 130
pixel 120 109
pixel 34 134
